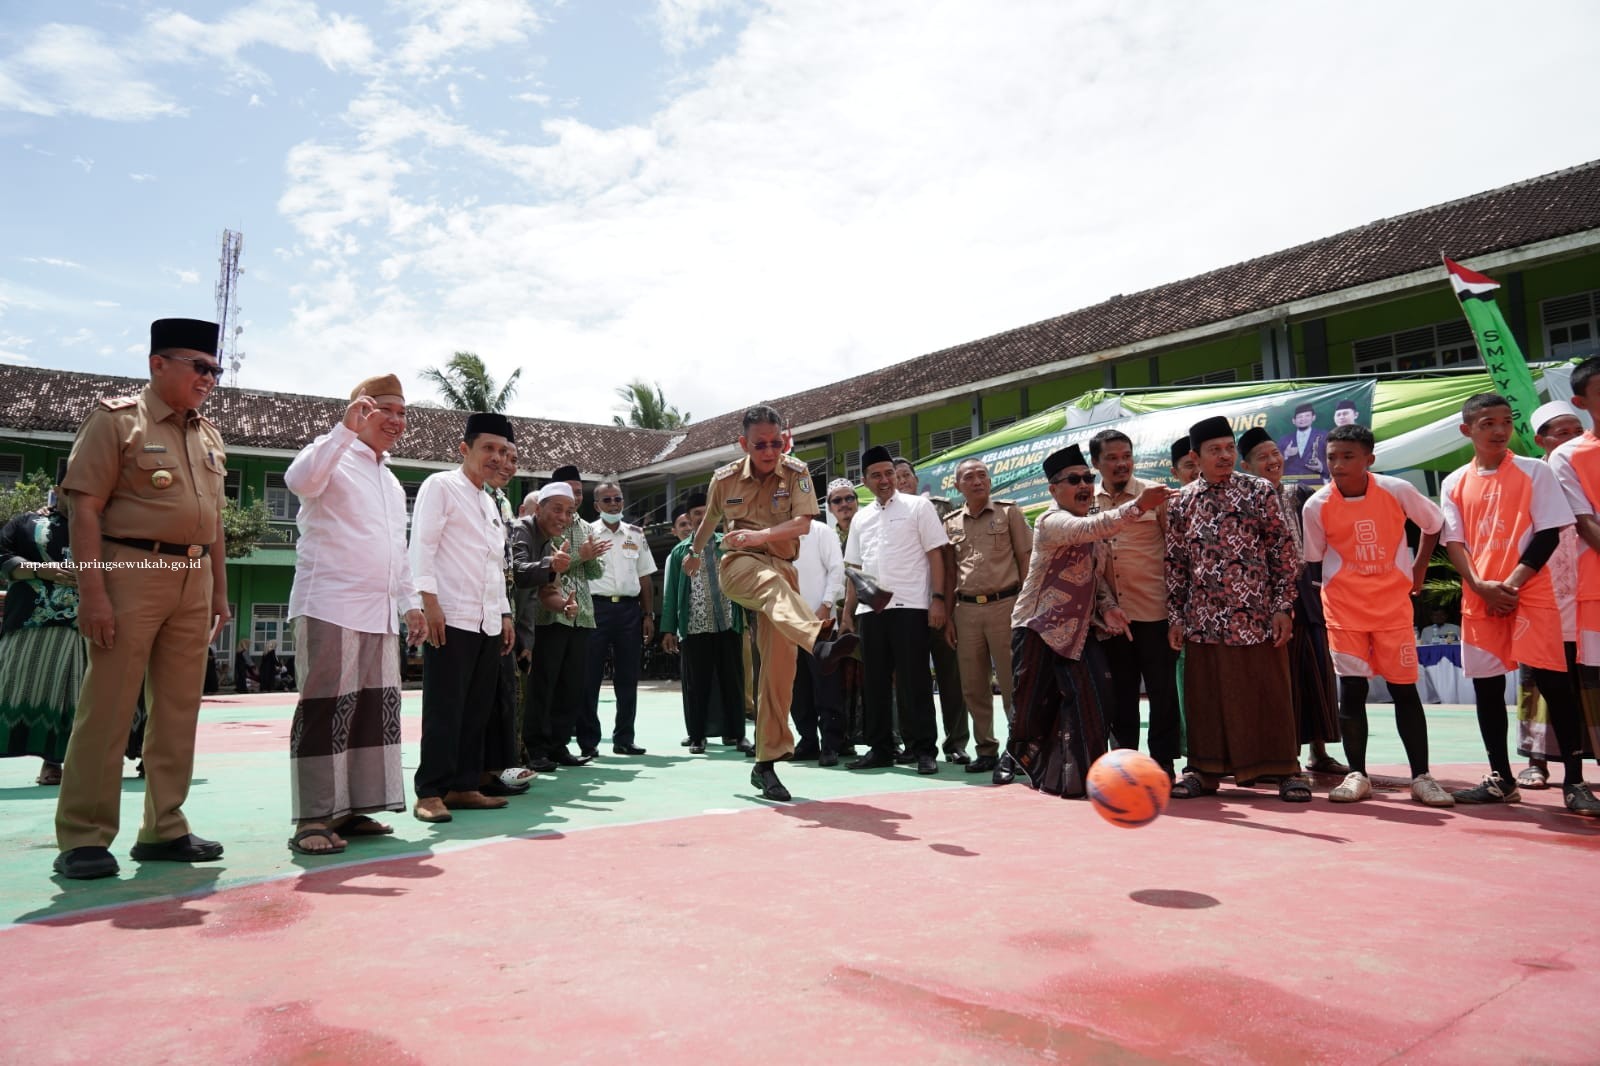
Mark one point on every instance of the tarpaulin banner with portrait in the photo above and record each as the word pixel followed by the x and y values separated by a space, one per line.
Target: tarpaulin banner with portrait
pixel 1297 418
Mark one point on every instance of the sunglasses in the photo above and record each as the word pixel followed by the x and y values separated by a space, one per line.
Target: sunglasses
pixel 1073 479
pixel 608 499
pixel 197 365
pixel 842 499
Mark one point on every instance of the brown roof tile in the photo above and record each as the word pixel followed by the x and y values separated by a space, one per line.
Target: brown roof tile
pixel 1539 209
pixel 57 400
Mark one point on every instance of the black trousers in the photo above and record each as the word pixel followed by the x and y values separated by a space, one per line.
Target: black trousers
pixel 500 749
pixel 458 691
pixel 952 703
pixel 713 674
pixel 619 634
pixel 894 660
pixel 1148 656
pixel 818 706
pixel 554 690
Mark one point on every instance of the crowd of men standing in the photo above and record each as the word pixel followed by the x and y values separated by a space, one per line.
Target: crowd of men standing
pixel 1249 612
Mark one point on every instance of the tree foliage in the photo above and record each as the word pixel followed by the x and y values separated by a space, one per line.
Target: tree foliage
pixel 647 407
pixel 465 384
pixel 28 494
pixel 244 526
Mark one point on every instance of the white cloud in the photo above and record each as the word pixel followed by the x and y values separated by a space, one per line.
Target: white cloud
pixel 443 28
pixel 339 41
pixel 72 70
pixel 542 99
pixel 255 100
pixel 84 162
pixel 184 277
pixel 141 177
pixel 47 260
pixel 107 303
pixel 686 24
pixel 72 340
pixel 13 357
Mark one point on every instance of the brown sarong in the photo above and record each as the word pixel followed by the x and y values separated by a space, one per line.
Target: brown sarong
pixel 1240 712
pixel 344 749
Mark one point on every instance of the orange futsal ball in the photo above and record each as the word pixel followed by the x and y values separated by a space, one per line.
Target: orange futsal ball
pixel 1127 788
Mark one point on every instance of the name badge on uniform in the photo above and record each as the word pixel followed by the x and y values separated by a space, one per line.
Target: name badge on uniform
pixel 161 479
pixel 155 447
pixel 733 500
pixel 630 549
pixel 780 493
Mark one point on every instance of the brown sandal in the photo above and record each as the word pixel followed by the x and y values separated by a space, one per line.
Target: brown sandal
pixel 1192 786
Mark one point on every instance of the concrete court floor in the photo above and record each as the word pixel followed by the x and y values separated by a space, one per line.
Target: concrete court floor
pixel 654 908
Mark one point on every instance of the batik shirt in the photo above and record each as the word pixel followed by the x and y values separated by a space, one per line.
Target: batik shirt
pixel 1068 585
pixel 1231 560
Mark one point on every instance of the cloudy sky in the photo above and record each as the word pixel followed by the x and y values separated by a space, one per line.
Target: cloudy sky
pixel 734 198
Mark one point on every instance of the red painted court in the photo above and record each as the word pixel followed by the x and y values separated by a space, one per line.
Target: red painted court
pixel 657 913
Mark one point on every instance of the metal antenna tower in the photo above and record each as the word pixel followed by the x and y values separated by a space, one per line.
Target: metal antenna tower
pixel 228 353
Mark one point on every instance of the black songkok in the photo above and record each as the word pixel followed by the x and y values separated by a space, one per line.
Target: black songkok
pixel 1071 455
pixel 1209 429
pixel 1250 438
pixel 190 333
pixel 565 473
pixel 489 422
pixel 874 455
pixel 1180 448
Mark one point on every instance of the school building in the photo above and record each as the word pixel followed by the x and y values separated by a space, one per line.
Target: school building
pixel 1371 300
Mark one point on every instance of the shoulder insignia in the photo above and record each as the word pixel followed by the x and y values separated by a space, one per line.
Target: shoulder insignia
pixel 791 463
pixel 633 528
pixel 1002 503
pixel 117 403
pixel 729 470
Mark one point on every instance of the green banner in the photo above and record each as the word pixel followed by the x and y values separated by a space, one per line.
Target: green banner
pixel 1297 418
pixel 1502 357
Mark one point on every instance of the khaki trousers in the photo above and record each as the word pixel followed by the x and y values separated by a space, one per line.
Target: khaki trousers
pixel 769 586
pixel 163 617
pixel 983 648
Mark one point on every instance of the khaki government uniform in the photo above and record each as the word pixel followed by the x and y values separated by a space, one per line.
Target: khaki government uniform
pixel 764 580
pixel 987 547
pixel 161 474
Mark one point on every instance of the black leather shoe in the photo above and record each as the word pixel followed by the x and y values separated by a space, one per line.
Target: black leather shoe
pixel 905 758
pixel 983 764
pixel 847 752
pixel 740 744
pixel 830 653
pixel 497 787
pixel 697 747
pixel 764 778
pixel 589 753
pixel 959 758
pixel 1006 771
pixel 827 759
pixel 806 752
pixel 86 863
pixel 541 765
pixel 626 749
pixel 566 758
pixel 187 848
pixel 927 764
pixel 686 742
pixel 872 760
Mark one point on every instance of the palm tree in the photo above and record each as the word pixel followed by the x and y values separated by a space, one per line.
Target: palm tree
pixel 465 384
pixel 648 408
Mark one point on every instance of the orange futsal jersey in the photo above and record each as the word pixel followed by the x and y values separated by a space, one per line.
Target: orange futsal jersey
pixel 1494 514
pixel 1361 543
pixel 1576 465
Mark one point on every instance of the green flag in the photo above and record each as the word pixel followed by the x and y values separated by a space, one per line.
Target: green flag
pixel 1501 356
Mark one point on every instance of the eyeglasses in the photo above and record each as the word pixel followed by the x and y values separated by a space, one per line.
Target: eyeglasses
pixel 767 446
pixel 1073 479
pixel 842 499
pixel 608 499
pixel 197 365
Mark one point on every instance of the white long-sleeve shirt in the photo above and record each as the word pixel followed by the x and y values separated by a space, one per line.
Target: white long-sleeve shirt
pixel 350 561
pixel 458 551
pixel 820 566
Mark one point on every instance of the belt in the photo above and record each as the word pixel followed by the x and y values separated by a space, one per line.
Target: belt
pixel 993 597
pixel 617 599
pixel 187 551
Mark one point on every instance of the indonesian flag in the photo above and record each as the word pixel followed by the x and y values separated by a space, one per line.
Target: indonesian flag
pixel 1468 283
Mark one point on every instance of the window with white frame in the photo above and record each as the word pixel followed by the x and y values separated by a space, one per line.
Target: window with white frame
pixel 233 485
pixel 1572 325
pixel 10 470
pixel 269 622
pixel 282 505
pixel 852 465
pixel 942 440
pixel 820 471
pixel 1211 377
pixel 1444 344
pixel 1000 423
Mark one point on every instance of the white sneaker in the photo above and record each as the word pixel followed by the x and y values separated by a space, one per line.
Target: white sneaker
pixel 1355 786
pixel 1428 792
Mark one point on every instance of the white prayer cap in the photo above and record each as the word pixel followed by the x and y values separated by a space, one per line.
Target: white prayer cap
pixel 554 489
pixel 1552 410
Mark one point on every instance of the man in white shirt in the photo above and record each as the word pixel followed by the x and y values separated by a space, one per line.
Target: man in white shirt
pixel 458 563
pixel 898 541
pixel 624 622
pixel 818 707
pixel 1442 631
pixel 352 582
